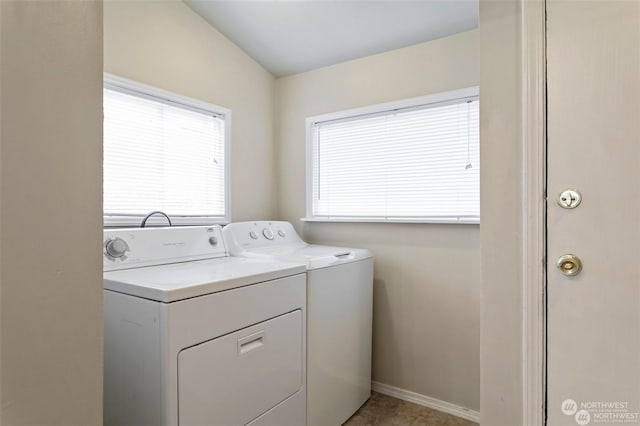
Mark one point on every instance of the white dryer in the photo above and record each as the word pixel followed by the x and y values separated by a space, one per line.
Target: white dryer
pixel 194 337
pixel 339 314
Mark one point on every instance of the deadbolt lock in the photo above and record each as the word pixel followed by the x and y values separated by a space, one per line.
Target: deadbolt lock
pixel 569 264
pixel 569 199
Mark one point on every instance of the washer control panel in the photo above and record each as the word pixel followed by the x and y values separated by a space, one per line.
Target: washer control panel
pixel 241 235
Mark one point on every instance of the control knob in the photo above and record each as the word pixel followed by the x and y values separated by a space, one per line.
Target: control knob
pixel 268 233
pixel 116 248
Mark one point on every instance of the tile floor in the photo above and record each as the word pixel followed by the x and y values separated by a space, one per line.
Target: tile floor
pixel 383 410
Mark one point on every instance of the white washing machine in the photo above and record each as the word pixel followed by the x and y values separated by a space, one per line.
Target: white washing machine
pixel 194 337
pixel 339 314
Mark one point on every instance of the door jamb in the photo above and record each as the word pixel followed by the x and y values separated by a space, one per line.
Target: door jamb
pixel 534 211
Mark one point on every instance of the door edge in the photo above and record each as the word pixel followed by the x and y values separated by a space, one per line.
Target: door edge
pixel 534 211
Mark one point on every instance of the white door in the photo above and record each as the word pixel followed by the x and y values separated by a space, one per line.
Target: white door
pixel 593 346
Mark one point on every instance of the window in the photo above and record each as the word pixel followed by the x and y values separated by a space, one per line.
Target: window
pixel 163 152
pixel 411 161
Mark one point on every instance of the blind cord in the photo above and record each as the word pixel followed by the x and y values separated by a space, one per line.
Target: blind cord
pixel 318 163
pixel 469 165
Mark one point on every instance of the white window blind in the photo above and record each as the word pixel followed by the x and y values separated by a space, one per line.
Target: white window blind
pixel 162 155
pixel 417 163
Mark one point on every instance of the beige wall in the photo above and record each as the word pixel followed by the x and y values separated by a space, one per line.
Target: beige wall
pixel 165 44
pixel 427 276
pixel 51 210
pixel 501 210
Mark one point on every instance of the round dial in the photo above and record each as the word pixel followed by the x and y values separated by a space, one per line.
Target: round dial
pixel 116 248
pixel 281 233
pixel 253 235
pixel 268 233
pixel 213 241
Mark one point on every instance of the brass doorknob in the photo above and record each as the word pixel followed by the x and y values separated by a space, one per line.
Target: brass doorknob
pixel 569 264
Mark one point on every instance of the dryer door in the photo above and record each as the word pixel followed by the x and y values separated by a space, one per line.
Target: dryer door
pixel 235 378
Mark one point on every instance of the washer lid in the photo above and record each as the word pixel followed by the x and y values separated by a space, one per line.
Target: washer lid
pixel 311 255
pixel 178 281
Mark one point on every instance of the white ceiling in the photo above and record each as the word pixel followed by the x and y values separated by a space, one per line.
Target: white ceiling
pixel 289 37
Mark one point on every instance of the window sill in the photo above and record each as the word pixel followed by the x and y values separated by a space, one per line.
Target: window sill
pixel 445 221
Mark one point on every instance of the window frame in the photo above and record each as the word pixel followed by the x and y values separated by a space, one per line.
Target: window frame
pixel 428 101
pixel 130 87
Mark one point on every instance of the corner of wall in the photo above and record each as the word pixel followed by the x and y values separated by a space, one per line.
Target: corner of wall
pixel 501 391
pixel 276 137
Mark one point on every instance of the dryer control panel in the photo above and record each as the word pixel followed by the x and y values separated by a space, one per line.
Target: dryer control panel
pixel 135 247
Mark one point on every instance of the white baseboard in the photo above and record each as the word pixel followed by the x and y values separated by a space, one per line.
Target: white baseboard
pixel 426 401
